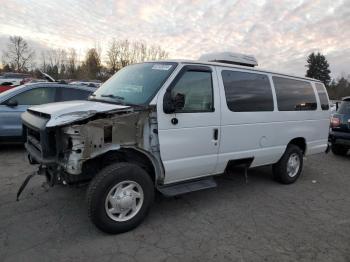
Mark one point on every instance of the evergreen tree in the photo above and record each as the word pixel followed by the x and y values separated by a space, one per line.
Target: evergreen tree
pixel 92 64
pixel 318 68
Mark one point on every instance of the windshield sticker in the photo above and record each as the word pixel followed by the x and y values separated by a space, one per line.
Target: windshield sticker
pixel 161 67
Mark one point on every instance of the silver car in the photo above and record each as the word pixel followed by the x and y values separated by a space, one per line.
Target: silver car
pixel 16 101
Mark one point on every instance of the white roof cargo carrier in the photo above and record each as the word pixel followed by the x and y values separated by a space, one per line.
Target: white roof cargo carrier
pixel 230 58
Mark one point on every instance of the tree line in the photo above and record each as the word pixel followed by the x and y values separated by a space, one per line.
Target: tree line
pixel 66 63
pixel 318 68
pixel 18 56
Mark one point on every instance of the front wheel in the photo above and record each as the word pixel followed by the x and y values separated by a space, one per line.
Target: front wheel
pixel 119 197
pixel 288 169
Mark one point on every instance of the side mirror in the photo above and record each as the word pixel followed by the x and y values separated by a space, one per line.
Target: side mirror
pixel 171 105
pixel 11 103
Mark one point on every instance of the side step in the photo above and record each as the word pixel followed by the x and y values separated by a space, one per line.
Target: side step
pixel 186 187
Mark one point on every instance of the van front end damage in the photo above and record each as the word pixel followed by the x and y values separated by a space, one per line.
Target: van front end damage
pixel 87 141
pixel 73 152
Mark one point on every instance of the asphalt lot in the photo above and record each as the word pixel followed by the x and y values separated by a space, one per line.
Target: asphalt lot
pixel 258 221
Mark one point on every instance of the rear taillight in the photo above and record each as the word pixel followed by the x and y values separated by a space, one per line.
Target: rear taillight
pixel 335 122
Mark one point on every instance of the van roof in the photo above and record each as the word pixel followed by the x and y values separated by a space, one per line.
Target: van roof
pixel 184 61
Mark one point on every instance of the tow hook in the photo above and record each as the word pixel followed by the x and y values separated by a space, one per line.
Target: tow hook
pixel 41 170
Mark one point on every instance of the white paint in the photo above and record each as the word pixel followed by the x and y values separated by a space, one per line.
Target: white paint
pixel 229 57
pixel 188 151
pixel 67 112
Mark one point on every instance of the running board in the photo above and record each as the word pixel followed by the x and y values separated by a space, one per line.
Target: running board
pixel 186 187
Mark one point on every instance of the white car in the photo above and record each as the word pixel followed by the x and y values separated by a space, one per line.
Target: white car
pixel 14 78
pixel 173 125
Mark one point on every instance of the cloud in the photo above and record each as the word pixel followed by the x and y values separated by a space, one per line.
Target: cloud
pixel 279 33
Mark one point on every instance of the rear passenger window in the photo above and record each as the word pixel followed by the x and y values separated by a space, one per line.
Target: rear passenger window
pixel 69 94
pixel 322 94
pixel 294 95
pixel 247 92
pixel 36 96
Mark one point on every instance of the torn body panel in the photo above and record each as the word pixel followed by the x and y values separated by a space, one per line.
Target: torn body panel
pixel 99 136
pixel 80 144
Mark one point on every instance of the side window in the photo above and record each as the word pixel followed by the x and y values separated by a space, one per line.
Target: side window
pixel 294 95
pixel 37 96
pixel 247 92
pixel 68 94
pixel 198 90
pixel 322 94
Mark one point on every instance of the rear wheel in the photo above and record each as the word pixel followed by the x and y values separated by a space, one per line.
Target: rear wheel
pixel 119 197
pixel 288 169
pixel 339 150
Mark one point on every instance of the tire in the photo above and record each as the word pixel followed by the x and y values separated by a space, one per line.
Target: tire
pixel 285 174
pixel 119 176
pixel 339 150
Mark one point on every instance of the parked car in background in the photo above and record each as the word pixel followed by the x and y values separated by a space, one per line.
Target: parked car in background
pixel 332 107
pixel 95 83
pixel 37 81
pixel 14 78
pixel 4 86
pixel 339 134
pixel 16 101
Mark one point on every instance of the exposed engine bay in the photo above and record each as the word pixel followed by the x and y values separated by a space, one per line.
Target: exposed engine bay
pixel 70 148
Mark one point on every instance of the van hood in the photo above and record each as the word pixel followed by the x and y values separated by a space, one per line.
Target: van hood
pixel 63 113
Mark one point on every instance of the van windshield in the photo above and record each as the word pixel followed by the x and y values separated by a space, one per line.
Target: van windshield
pixel 135 84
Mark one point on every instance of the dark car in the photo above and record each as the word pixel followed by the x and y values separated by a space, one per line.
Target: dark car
pixel 340 128
pixel 16 101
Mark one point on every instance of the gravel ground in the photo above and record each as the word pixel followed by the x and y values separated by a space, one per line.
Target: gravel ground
pixel 258 221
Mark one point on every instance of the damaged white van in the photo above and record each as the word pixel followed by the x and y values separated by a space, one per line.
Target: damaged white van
pixel 171 126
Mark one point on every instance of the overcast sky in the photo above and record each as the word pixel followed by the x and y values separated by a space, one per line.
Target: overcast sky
pixel 279 33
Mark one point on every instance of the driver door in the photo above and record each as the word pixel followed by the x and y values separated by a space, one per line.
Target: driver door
pixel 189 136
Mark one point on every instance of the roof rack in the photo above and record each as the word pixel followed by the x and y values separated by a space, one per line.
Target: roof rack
pixel 230 58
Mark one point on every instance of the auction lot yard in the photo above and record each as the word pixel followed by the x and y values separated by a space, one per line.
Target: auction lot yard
pixel 258 221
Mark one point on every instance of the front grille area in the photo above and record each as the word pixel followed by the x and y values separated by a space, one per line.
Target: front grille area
pixel 33 133
pixel 33 139
pixel 40 140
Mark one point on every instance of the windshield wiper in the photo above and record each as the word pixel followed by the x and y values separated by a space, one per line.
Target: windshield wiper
pixel 113 96
pixel 120 98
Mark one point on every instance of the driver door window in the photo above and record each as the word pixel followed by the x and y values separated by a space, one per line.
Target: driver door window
pixel 197 88
pixel 36 96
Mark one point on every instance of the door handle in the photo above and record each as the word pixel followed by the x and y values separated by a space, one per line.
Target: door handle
pixel 216 134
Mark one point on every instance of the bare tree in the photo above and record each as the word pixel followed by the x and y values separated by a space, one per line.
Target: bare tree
pixel 43 64
pixel 113 56
pixel 122 53
pixel 72 63
pixel 18 54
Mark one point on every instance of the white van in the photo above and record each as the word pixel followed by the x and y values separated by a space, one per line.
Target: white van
pixel 171 126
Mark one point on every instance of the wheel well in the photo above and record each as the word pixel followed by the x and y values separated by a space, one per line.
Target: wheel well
pixel 129 155
pixel 300 142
